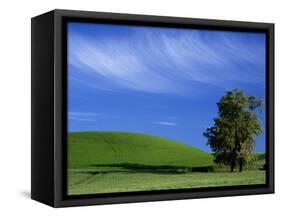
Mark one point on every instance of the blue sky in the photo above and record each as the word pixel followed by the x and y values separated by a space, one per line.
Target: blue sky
pixel 159 81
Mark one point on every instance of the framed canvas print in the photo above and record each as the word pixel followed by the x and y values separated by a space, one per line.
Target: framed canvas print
pixel 130 108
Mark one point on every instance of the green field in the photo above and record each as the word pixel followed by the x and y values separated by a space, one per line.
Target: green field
pixel 100 162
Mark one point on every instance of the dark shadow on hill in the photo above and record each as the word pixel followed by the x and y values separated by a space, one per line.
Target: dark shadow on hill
pixel 164 169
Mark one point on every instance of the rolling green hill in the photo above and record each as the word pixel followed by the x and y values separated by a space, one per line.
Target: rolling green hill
pixel 260 161
pixel 88 149
pixel 260 156
pixel 105 162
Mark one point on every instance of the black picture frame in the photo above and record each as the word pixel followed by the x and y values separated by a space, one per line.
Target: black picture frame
pixel 49 108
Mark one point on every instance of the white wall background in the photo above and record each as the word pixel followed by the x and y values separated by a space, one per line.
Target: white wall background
pixel 15 106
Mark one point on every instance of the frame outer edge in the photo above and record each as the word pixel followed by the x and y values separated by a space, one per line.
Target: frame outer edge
pixel 59 201
pixel 58 101
pixel 272 107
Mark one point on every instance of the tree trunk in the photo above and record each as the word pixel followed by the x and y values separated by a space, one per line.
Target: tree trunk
pixel 232 168
pixel 240 167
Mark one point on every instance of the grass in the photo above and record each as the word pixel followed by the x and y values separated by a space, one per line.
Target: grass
pixel 90 148
pixel 85 182
pixel 260 160
pixel 102 162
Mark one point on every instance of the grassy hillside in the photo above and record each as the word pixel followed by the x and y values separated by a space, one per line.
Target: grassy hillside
pixel 88 149
pixel 261 156
pixel 100 162
pixel 260 161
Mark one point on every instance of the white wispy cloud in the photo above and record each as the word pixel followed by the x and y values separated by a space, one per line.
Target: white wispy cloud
pixel 82 116
pixel 165 60
pixel 166 123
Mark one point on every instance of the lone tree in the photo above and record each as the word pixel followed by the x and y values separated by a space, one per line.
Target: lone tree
pixel 232 138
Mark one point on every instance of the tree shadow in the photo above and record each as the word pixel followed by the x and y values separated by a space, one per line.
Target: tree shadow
pixel 142 168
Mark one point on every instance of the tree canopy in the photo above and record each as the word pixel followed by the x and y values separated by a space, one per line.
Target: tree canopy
pixel 233 135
